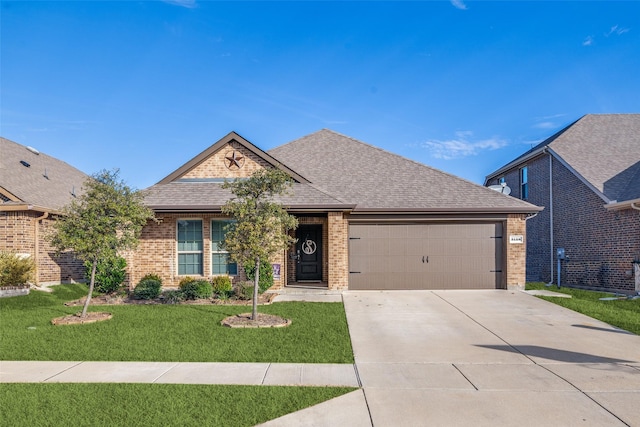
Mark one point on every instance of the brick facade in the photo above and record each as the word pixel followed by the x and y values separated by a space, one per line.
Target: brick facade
pixel 339 251
pixel 516 253
pixel 601 244
pixel 18 230
pixel 157 252
pixel 215 166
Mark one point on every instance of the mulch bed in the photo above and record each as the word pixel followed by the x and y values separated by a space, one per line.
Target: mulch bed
pixel 262 321
pixel 263 299
pixel 75 319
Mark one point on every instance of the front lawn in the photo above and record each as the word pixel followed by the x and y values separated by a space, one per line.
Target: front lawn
pixel 185 333
pixel 32 405
pixel 622 313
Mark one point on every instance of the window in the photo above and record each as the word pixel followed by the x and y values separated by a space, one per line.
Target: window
pixel 524 183
pixel 189 246
pixel 220 263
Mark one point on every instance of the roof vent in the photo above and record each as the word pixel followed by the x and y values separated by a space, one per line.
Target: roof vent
pixel 46 175
pixel 33 150
pixel 25 164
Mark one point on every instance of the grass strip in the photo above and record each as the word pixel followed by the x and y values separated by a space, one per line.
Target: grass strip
pixel 185 333
pixel 622 313
pixel 95 405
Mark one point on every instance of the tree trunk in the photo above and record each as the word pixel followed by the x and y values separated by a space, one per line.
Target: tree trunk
pixel 254 312
pixel 91 285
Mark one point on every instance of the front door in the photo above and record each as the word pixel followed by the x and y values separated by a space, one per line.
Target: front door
pixel 309 252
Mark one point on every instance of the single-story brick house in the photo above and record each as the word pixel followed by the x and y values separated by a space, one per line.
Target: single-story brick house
pixel 33 189
pixel 588 178
pixel 369 219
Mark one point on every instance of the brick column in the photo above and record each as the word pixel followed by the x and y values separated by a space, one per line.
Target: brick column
pixel 516 252
pixel 338 251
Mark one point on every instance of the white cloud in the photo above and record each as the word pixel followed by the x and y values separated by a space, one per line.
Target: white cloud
pixel 189 4
pixel 544 125
pixel 588 41
pixel 461 146
pixel 459 4
pixel 616 30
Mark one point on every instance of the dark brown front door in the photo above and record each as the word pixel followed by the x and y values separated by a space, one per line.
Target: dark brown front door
pixel 309 251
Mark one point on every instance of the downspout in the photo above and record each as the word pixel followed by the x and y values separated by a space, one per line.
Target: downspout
pixel 36 257
pixel 551 257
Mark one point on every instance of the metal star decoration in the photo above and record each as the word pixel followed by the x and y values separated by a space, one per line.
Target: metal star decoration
pixel 234 158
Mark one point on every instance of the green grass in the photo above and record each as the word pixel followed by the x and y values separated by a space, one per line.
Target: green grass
pixel 185 333
pixel 624 314
pixel 95 405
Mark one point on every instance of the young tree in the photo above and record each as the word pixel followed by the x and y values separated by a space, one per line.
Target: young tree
pixel 261 226
pixel 106 219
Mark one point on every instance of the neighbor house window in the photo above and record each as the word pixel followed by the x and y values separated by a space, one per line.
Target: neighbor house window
pixel 524 183
pixel 189 246
pixel 220 263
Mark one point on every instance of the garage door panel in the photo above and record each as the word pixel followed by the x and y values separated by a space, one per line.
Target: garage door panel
pixel 425 256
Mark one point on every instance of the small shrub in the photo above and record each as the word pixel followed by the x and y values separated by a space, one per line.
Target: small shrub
pixel 149 287
pixel 222 286
pixel 185 280
pixel 173 296
pixel 15 270
pixel 196 289
pixel 265 281
pixel 244 290
pixel 110 273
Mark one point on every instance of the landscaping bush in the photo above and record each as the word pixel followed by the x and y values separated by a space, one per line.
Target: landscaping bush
pixel 173 296
pixel 244 290
pixel 110 273
pixel 265 281
pixel 149 287
pixel 196 289
pixel 15 270
pixel 222 286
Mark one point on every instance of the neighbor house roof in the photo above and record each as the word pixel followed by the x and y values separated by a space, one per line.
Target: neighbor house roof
pixel 603 150
pixel 379 181
pixel 31 180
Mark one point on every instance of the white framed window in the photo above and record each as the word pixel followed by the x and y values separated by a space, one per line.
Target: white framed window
pixel 189 238
pixel 524 183
pixel 220 263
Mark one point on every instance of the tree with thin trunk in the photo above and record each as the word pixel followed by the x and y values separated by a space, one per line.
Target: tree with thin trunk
pixel 261 225
pixel 105 219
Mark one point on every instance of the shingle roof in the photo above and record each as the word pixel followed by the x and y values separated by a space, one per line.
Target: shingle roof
pixel 46 183
pixel 375 179
pixel 604 149
pixel 196 196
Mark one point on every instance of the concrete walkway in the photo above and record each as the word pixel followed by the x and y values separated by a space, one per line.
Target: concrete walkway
pixel 292 374
pixel 442 358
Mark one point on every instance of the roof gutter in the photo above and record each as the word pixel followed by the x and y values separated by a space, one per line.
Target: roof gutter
pixel 26 207
pixel 386 211
pixel 627 204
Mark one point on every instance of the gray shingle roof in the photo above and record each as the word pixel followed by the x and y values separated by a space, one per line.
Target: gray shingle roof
pixel 194 196
pixel 29 184
pixel 604 149
pixel 375 179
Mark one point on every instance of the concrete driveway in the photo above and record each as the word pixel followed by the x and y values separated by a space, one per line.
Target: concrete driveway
pixel 489 358
pixel 480 358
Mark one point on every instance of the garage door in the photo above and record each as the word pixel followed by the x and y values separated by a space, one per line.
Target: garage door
pixel 425 256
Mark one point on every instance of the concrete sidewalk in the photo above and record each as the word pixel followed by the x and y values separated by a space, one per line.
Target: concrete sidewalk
pixel 286 374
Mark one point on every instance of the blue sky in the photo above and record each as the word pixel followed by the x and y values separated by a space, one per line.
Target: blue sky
pixel 463 86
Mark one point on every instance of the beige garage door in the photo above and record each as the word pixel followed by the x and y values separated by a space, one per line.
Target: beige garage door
pixel 425 256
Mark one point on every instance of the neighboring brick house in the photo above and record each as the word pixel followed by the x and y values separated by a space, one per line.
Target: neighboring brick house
pixel 587 176
pixel 33 189
pixel 369 219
